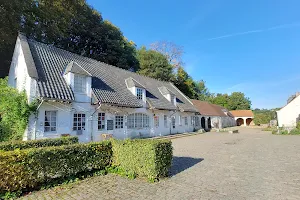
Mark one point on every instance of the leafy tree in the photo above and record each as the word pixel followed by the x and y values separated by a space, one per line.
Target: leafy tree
pixel 14 112
pixel 264 116
pixel 69 24
pixel 221 99
pixel 154 64
pixel 238 101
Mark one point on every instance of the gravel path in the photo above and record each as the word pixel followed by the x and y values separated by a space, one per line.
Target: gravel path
pixel 248 165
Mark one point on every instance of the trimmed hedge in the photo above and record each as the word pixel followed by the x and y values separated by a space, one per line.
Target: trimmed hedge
pixel 145 158
pixel 10 146
pixel 23 170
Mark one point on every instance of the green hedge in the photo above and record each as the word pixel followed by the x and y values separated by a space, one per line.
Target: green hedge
pixel 146 158
pixel 23 170
pixel 10 146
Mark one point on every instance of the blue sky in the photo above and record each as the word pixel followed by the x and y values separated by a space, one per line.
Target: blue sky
pixel 248 46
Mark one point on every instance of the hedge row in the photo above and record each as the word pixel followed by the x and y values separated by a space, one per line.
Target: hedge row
pixel 147 158
pixel 25 169
pixel 10 146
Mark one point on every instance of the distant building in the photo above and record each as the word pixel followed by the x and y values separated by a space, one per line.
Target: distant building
pixel 243 117
pixel 213 116
pixel 289 115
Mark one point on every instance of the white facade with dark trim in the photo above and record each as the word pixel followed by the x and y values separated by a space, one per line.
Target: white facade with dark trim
pixel 76 101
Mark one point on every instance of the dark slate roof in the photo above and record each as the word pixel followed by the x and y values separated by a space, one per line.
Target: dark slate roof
pixel 76 69
pixel 31 69
pixel 108 82
pixel 131 82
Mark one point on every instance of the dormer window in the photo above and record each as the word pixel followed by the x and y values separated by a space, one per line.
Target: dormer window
pixel 139 93
pixel 79 83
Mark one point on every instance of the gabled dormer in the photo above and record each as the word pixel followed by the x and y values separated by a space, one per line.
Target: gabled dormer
pixel 79 80
pixel 136 89
pixel 168 94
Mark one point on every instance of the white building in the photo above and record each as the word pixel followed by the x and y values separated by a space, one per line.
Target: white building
pixel 289 115
pixel 214 116
pixel 87 98
pixel 243 117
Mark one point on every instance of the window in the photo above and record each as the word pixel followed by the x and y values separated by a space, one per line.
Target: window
pixel 173 121
pixel 119 122
pixel 179 120
pixel 197 121
pixel 50 121
pixel 193 120
pixel 101 121
pixel 156 121
pixel 79 83
pixel 79 122
pixel 166 121
pixel 139 93
pixel 185 121
pixel 138 120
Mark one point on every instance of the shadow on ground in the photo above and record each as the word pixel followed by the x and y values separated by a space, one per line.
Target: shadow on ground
pixel 179 164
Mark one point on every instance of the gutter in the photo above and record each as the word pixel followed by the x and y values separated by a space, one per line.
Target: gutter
pixel 36 116
pixel 92 124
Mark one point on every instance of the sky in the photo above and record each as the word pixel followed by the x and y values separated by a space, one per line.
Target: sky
pixel 251 46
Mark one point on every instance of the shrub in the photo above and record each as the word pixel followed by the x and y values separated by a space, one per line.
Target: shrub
pixel 298 125
pixel 295 131
pixel 23 170
pixel 10 146
pixel 145 158
pixel 15 111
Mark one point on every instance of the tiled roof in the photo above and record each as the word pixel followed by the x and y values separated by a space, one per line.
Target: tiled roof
pixel 108 82
pixel 208 109
pixel 242 113
pixel 164 90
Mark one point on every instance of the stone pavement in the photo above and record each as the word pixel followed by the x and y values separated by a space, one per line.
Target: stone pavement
pixel 248 165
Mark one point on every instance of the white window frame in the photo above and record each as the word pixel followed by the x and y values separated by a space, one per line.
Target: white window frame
pixel 101 121
pixel 186 121
pixel 50 121
pixel 173 121
pixel 197 121
pixel 180 120
pixel 119 122
pixel 79 84
pixel 138 121
pixel 140 93
pixel 156 121
pixel 79 121
pixel 193 120
pixel 166 121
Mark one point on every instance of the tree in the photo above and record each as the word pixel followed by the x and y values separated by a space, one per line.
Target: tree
pixel 68 24
pixel 154 64
pixel 221 100
pixel 172 51
pixel 238 101
pixel 185 83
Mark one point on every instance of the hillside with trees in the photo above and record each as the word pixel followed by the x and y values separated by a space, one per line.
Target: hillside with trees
pixel 75 26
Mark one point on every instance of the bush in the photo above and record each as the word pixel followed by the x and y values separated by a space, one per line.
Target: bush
pixel 145 158
pixel 23 170
pixel 10 146
pixel 295 131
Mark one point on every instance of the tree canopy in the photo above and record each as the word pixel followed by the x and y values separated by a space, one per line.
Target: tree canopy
pixel 68 24
pixel 154 64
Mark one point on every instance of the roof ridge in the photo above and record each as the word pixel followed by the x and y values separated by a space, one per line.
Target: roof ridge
pixel 53 46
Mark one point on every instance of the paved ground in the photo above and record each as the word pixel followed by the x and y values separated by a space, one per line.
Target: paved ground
pixel 249 165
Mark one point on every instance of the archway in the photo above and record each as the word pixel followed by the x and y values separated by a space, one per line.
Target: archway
pixel 202 122
pixel 239 122
pixel 248 121
pixel 209 123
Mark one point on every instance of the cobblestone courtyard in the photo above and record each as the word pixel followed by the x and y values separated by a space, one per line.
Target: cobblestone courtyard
pixel 249 165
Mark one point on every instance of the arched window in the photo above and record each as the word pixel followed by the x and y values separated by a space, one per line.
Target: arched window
pixel 138 120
